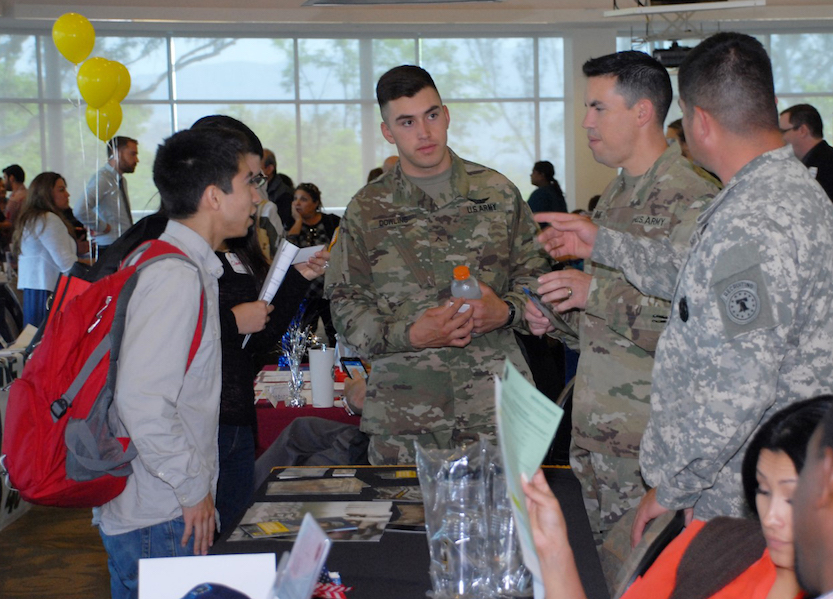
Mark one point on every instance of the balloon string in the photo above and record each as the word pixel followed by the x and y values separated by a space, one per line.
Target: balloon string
pixel 97 178
pixel 83 153
pixel 80 125
pixel 117 155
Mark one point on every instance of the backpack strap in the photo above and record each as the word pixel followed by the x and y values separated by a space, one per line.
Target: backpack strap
pixel 148 253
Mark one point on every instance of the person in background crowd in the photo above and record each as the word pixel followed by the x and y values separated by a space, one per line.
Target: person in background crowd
pixel 14 178
pixel 374 172
pixel 657 195
pixel 44 242
pixel 389 163
pixel 724 558
pixel 591 205
pixel 104 207
pixel 548 197
pixel 277 189
pixel 674 132
pixel 391 271
pixel 5 224
pixel 813 521
pixel 314 227
pixel 752 296
pixel 803 129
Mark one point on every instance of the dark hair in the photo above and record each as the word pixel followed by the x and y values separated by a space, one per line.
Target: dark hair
pixel 189 161
pixel 374 172
pixel 269 158
pixel 638 76
pixel 594 201
pixel 38 202
pixel 14 170
pixel 788 430
pixel 678 127
pixel 827 431
pixel 312 190
pixel 248 249
pixel 729 75
pixel 226 122
pixel 404 81
pixel 288 180
pixel 118 142
pixel 804 114
pixel 546 168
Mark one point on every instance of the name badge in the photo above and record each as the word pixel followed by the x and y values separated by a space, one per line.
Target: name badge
pixel 235 263
pixel 393 221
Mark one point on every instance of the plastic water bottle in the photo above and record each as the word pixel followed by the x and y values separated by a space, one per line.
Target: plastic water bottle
pixel 464 285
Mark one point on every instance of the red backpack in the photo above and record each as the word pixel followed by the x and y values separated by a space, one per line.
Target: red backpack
pixel 60 446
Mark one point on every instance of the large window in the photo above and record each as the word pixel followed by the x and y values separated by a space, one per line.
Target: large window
pixel 311 101
pixel 802 67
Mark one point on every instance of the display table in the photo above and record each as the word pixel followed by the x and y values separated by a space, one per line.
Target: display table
pixel 397 565
pixel 272 420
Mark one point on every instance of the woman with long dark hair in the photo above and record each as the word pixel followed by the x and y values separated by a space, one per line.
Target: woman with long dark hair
pixel 314 227
pixel 548 197
pixel 44 242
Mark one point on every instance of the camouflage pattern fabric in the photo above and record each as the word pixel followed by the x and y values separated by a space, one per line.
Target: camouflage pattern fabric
pixel 751 328
pixel 610 485
pixel 393 260
pixel 619 329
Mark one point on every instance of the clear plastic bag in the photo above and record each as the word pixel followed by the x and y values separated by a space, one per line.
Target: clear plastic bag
pixel 471 532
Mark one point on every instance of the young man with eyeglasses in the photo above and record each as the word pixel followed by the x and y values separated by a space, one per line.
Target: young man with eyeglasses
pixel 168 408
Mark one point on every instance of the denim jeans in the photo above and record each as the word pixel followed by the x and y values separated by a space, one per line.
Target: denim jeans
pixel 235 485
pixel 34 306
pixel 125 550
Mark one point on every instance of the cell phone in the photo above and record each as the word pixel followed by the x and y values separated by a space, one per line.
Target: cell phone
pixel 354 368
pixel 545 308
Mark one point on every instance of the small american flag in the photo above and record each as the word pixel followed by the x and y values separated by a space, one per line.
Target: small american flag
pixel 329 586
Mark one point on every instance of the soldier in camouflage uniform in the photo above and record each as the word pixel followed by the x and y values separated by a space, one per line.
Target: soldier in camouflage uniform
pixel 658 195
pixel 751 327
pixel 390 274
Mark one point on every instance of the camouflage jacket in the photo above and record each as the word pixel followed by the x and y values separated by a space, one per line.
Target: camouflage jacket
pixel 393 260
pixel 619 329
pixel 751 328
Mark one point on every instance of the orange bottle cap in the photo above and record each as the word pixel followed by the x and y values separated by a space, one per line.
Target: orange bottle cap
pixel 461 273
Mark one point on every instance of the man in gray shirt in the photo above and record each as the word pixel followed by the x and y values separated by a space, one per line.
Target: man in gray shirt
pixel 104 207
pixel 171 410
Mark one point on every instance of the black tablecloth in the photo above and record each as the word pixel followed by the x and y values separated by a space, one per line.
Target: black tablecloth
pixel 397 566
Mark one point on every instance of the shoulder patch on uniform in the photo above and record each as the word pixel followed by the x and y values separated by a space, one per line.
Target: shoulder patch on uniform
pixel 743 302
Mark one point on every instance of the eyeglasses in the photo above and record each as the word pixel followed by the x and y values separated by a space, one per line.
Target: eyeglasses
pixel 789 129
pixel 258 181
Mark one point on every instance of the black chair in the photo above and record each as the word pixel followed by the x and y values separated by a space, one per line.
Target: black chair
pixel 11 315
pixel 649 548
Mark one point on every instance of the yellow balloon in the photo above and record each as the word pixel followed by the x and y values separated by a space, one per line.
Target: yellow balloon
pixel 123 85
pixel 74 36
pixel 97 80
pixel 104 121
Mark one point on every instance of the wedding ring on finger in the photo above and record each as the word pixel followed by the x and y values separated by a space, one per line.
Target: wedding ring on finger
pixel 569 292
